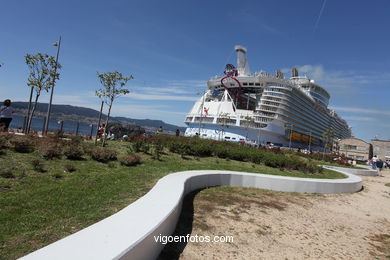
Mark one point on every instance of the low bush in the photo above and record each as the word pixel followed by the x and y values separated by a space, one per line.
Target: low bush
pixel 158 149
pixel 181 148
pixel 7 173
pixel 103 154
pixel 202 150
pixel 76 138
pixel 4 138
pixel 23 144
pixel 112 164
pixel 50 148
pixel 70 167
pixel 130 160
pixel 221 151
pixel 73 151
pixel 38 165
pixel 141 145
pixel 58 175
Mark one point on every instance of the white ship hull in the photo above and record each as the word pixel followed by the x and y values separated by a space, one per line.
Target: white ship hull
pixel 262 109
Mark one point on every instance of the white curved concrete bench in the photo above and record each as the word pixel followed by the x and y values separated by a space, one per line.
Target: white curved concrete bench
pixel 129 234
pixel 368 172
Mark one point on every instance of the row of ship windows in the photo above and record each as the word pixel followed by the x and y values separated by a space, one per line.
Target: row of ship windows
pixel 324 126
pixel 251 84
pixel 339 128
pixel 307 107
pixel 304 127
pixel 294 103
pixel 321 122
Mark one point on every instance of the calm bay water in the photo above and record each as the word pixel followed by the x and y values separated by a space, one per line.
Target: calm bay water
pixel 69 127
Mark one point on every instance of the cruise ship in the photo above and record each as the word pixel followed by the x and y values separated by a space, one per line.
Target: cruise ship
pixel 263 109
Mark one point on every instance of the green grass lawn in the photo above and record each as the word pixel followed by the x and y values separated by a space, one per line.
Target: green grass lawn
pixel 37 208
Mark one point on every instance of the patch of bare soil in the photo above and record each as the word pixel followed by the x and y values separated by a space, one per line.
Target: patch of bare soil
pixel 277 225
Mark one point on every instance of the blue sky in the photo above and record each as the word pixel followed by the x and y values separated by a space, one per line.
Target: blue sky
pixel 172 48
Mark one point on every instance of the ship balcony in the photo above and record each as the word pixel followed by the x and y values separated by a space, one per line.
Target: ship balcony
pixel 226 121
pixel 262 108
pixel 189 119
pixel 268 115
pixel 204 119
pixel 249 124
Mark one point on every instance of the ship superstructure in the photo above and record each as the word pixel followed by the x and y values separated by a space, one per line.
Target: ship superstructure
pixel 261 108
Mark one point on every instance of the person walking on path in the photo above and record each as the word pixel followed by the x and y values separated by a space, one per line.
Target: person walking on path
pixel 379 164
pixel 373 162
pixel 6 112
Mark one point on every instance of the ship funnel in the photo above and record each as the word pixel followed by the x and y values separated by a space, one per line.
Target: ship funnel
pixel 294 72
pixel 242 62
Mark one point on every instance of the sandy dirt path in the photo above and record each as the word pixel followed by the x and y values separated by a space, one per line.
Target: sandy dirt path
pixel 276 225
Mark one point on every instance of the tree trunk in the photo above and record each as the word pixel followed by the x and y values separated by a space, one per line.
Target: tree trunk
pixel 100 120
pixel 108 118
pixel 26 129
pixel 32 112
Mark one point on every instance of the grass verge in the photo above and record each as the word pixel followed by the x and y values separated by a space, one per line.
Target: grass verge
pixel 40 207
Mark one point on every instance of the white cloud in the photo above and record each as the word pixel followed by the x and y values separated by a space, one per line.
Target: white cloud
pixel 362 110
pixel 141 96
pixel 359 118
pixel 316 72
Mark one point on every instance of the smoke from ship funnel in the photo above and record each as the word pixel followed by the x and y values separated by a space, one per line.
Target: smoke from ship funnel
pixel 242 62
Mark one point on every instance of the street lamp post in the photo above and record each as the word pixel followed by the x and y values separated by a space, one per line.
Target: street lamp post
pixel 58 45
pixel 291 129
pixel 309 140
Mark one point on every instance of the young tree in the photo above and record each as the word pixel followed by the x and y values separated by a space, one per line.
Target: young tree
pixel 248 122
pixel 113 86
pixel 42 76
pixel 328 138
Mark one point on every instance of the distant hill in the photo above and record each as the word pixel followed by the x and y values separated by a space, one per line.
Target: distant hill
pixel 89 116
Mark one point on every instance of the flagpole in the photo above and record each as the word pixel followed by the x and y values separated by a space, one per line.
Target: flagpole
pixel 201 112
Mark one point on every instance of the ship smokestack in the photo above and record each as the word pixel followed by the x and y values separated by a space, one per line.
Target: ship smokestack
pixel 242 62
pixel 294 72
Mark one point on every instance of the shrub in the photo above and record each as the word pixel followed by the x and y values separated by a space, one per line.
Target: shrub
pixel 158 149
pixel 141 145
pixel 4 138
pixel 7 173
pixel 74 151
pixel 238 154
pixel 181 148
pixel 50 149
pixel 76 139
pixel 137 145
pixel 70 167
pixel 103 155
pixel 257 157
pixel 220 151
pixel 23 144
pixel 59 134
pixel 130 160
pixel 38 165
pixel 58 175
pixel 88 147
pixel 202 149
pixel 111 164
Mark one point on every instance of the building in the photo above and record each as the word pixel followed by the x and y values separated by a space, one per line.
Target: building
pixel 381 148
pixel 355 148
